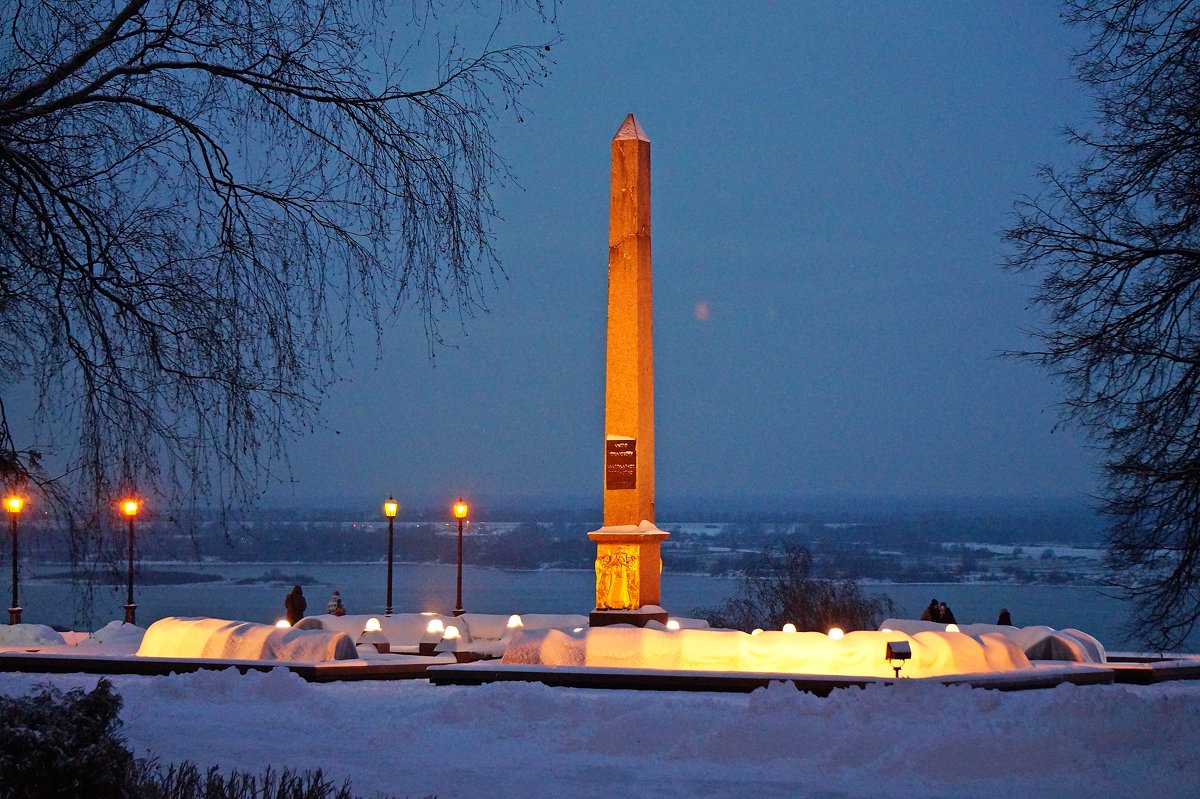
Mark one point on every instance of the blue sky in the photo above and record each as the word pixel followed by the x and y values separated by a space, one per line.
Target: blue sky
pixel 832 182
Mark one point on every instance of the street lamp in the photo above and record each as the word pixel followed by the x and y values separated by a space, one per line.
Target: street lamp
pixel 130 508
pixel 13 505
pixel 460 513
pixel 389 510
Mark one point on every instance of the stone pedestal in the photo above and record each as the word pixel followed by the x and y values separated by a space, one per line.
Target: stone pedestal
pixel 628 574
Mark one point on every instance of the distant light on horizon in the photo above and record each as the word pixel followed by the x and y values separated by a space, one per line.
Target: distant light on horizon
pixel 702 311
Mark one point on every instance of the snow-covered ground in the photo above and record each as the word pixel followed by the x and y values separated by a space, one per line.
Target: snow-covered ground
pixel 911 740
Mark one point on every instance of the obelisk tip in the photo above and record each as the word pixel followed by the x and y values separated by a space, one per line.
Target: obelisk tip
pixel 630 129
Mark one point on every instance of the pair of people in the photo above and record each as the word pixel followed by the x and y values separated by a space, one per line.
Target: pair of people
pixel 938 612
pixel 295 604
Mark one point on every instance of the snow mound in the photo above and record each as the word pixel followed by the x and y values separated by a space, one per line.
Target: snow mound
pixel 29 635
pixel 1038 643
pixel 117 631
pixel 185 637
pixel 857 654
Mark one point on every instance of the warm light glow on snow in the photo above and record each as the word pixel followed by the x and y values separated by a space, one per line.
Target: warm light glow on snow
pixel 836 633
pixel 857 654
pixel 451 633
pixel 514 622
pixel 672 624
pixel 372 625
pixel 13 504
pixel 283 624
pixel 789 628
pixel 435 627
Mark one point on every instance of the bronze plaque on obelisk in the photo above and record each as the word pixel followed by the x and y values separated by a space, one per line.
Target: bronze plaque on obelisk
pixel 620 464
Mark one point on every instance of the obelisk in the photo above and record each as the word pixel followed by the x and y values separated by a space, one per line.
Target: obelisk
pixel 628 563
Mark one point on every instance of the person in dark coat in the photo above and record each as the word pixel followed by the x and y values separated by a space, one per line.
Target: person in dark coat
pixel 1005 617
pixel 295 604
pixel 946 616
pixel 932 613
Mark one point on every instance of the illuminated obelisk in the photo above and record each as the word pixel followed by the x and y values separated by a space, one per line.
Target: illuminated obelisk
pixel 628 563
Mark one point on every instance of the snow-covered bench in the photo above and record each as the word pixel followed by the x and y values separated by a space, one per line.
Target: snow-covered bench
pixel 186 637
pixel 1038 642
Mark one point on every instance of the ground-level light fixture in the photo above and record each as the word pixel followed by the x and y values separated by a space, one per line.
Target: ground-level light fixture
pixel 373 635
pixel 453 643
pixel 283 624
pixel 757 631
pixel 672 624
pixel 836 633
pixel 432 637
pixel 789 628
pixel 952 628
pixel 13 505
pixel 514 622
pixel 130 507
pixel 898 652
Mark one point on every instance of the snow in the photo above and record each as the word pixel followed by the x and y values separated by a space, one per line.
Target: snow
pixel 509 740
pixel 17 635
pixel 186 637
pixel 858 654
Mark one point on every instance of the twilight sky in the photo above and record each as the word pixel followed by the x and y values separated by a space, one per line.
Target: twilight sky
pixel 831 184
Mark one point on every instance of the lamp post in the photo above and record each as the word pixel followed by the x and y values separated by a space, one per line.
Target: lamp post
pixel 130 508
pixel 13 505
pixel 389 510
pixel 460 513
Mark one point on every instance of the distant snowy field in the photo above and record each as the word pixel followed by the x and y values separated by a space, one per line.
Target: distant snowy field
pixel 913 740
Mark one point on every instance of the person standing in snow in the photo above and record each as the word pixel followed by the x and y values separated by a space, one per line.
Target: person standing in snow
pixel 295 604
pixel 334 606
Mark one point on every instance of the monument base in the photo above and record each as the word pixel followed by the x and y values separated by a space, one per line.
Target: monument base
pixel 638 618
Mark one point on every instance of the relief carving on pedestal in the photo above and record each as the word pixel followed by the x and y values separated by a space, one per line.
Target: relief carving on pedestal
pixel 617 578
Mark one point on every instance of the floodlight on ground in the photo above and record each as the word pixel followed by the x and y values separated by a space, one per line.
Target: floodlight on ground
pixel 372 635
pixel 952 628
pixel 897 652
pixel 578 630
pixel 756 631
pixel 789 628
pixel 672 624
pixel 283 624
pixel 514 622
pixel 454 643
pixel 836 633
pixel 432 637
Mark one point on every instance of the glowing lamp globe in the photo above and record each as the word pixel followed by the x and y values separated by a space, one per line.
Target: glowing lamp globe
pixel 372 625
pixel 13 504
pixel 435 627
pixel 390 508
pixel 951 628
pixel 672 624
pixel 578 629
pixel 789 628
pixel 836 633
pixel 129 507
pixel 514 622
pixel 461 509
pixel 756 631
pixel 283 624
pixel 451 633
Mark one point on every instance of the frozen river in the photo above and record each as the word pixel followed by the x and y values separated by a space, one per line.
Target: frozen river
pixel 418 587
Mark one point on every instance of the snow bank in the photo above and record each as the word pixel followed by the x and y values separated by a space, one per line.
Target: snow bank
pixel 1038 643
pixel 181 637
pixel 858 654
pixel 30 635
